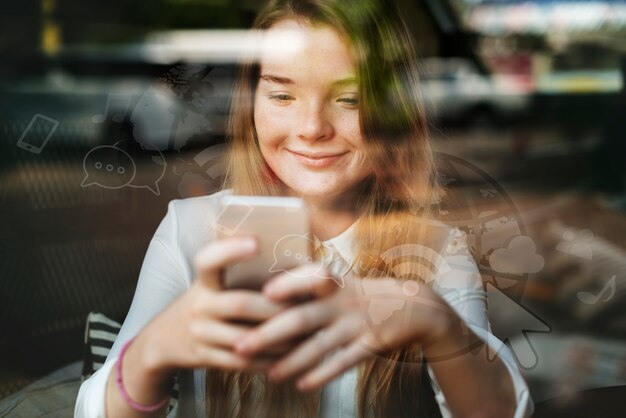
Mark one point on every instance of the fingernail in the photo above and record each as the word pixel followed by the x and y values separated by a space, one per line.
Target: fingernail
pixel 271 290
pixel 202 256
pixel 274 374
pixel 302 384
pixel 242 345
pixel 249 244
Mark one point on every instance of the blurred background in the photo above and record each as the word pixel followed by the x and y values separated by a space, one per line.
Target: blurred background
pixel 109 110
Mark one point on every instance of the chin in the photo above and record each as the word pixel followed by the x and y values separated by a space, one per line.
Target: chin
pixel 312 191
pixel 317 190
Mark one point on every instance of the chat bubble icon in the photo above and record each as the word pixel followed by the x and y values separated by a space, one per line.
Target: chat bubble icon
pixel 109 167
pixel 291 251
pixel 151 173
pixel 150 163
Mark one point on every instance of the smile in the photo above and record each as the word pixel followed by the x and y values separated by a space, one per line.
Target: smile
pixel 317 160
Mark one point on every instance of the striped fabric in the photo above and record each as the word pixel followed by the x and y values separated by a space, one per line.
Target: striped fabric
pixel 100 333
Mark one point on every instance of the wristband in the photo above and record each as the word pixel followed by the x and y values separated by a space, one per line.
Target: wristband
pixel 120 384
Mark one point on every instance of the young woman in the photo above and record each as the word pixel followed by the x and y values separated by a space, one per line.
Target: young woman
pixel 337 122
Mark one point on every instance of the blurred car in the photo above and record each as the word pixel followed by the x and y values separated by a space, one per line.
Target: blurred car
pixel 455 92
pixel 97 96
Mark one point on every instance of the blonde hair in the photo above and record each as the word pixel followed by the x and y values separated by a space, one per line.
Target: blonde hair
pixel 399 191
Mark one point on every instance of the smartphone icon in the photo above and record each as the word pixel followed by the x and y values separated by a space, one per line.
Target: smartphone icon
pixel 37 133
pixel 232 217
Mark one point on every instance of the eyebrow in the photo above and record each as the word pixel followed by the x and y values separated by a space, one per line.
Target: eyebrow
pixel 272 78
pixel 276 79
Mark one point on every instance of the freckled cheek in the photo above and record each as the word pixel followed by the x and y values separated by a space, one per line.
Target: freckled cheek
pixel 351 129
pixel 271 126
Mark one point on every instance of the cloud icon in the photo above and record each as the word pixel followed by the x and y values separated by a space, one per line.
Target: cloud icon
pixel 519 257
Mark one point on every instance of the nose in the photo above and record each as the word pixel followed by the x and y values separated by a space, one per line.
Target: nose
pixel 315 123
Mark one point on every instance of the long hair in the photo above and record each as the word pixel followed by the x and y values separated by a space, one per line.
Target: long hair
pixel 398 192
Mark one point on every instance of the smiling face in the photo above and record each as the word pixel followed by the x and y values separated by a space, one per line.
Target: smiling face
pixel 306 112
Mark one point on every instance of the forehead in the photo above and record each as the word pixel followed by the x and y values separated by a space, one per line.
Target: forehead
pixel 318 51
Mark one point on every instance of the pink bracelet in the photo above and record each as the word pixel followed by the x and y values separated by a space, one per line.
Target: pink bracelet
pixel 120 384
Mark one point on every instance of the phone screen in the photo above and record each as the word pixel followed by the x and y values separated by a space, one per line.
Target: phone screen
pixel 282 229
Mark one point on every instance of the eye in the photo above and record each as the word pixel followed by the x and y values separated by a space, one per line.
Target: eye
pixel 281 98
pixel 350 101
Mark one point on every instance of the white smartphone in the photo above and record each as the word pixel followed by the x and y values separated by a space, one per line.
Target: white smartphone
pixel 281 226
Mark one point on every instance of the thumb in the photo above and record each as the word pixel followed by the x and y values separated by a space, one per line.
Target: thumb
pixel 217 255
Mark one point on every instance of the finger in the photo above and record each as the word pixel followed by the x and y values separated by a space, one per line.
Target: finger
pixel 227 360
pixel 221 253
pixel 279 351
pixel 244 305
pixel 309 353
pixel 341 361
pixel 218 333
pixel 291 323
pixel 312 280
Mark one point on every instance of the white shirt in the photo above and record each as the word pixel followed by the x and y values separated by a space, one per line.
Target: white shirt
pixel 167 272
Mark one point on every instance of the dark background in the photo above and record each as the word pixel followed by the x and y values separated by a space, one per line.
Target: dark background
pixel 532 107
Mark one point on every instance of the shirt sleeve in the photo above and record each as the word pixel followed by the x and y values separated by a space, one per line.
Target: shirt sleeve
pixel 459 284
pixel 161 280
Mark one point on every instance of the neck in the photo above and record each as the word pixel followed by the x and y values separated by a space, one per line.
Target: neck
pixel 326 225
pixel 330 216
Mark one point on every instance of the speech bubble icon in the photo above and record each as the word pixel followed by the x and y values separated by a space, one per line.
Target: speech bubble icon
pixel 109 167
pixel 151 173
pixel 291 251
pixel 150 164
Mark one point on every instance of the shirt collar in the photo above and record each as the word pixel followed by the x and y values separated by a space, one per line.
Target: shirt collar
pixel 343 243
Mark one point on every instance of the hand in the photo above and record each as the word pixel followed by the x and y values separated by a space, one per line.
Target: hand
pixel 196 330
pixel 348 320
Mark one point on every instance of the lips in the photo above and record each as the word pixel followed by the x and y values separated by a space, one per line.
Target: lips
pixel 315 155
pixel 317 160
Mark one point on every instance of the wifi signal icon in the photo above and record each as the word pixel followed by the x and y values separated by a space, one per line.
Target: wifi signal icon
pixel 212 163
pixel 412 263
pixel 404 262
pixel 415 265
pixel 205 175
